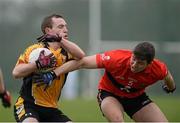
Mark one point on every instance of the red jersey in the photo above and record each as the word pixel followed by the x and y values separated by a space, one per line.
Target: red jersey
pixel 117 63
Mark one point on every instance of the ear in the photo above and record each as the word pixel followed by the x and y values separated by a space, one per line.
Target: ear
pixel 47 30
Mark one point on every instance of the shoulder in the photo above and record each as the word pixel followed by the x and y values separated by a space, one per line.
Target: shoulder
pixel 158 63
pixel 114 57
pixel 119 53
pixel 33 46
pixel 30 48
pixel 159 68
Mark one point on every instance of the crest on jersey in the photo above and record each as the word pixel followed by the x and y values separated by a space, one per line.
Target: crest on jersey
pixel 104 57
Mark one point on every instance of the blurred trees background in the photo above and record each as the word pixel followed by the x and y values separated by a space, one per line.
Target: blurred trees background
pixel 120 20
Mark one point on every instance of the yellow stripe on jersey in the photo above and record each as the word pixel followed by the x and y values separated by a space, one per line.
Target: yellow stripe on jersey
pixel 25 56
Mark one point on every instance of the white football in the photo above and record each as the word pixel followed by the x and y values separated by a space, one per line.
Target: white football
pixel 35 54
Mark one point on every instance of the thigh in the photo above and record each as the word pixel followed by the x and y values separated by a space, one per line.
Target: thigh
pixel 110 107
pixel 149 113
pixel 25 112
pixel 132 105
pixel 59 117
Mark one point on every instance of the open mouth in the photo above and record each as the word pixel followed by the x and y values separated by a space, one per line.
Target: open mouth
pixel 66 36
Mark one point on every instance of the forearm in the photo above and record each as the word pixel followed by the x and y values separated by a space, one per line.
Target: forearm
pixel 72 48
pixel 68 67
pixel 22 70
pixel 169 81
pixel 2 87
pixel 88 62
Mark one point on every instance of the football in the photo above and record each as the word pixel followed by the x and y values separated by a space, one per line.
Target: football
pixel 35 54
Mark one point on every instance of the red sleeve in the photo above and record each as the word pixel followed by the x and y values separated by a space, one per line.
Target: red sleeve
pixel 99 61
pixel 164 70
pixel 161 69
pixel 111 59
pixel 104 60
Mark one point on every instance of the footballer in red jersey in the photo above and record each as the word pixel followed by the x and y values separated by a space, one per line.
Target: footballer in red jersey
pixel 127 74
pixel 122 87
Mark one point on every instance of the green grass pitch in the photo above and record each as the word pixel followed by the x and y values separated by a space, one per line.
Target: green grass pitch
pixel 80 110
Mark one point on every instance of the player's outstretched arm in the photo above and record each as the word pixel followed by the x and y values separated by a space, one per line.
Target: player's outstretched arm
pixel 88 62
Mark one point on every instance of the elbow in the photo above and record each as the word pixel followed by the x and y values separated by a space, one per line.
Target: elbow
pixel 15 74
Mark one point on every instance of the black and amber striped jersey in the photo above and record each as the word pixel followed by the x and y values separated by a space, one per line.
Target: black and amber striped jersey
pixel 32 92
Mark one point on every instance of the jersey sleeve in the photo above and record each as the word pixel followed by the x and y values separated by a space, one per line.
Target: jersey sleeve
pixel 162 70
pixel 21 59
pixel 24 58
pixel 98 61
pixel 104 60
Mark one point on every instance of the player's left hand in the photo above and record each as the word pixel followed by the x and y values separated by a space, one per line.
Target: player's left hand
pixel 167 90
pixel 44 78
pixel 49 38
pixel 6 99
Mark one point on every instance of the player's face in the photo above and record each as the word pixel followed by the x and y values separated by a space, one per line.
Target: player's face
pixel 59 26
pixel 137 65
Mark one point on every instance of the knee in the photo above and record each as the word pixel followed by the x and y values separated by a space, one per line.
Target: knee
pixel 30 119
pixel 115 118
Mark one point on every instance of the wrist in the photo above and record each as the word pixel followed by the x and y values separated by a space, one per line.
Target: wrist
pixel 2 90
pixel 172 90
pixel 56 72
pixel 167 89
pixel 2 94
pixel 53 74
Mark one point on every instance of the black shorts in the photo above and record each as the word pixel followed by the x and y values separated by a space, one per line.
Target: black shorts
pixel 130 105
pixel 42 114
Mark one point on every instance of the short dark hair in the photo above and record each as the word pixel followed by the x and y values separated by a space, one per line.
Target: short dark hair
pixel 47 22
pixel 144 51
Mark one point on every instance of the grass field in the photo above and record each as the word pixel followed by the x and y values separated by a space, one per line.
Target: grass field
pixel 88 111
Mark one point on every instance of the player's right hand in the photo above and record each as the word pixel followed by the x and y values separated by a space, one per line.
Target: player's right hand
pixel 6 99
pixel 43 61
